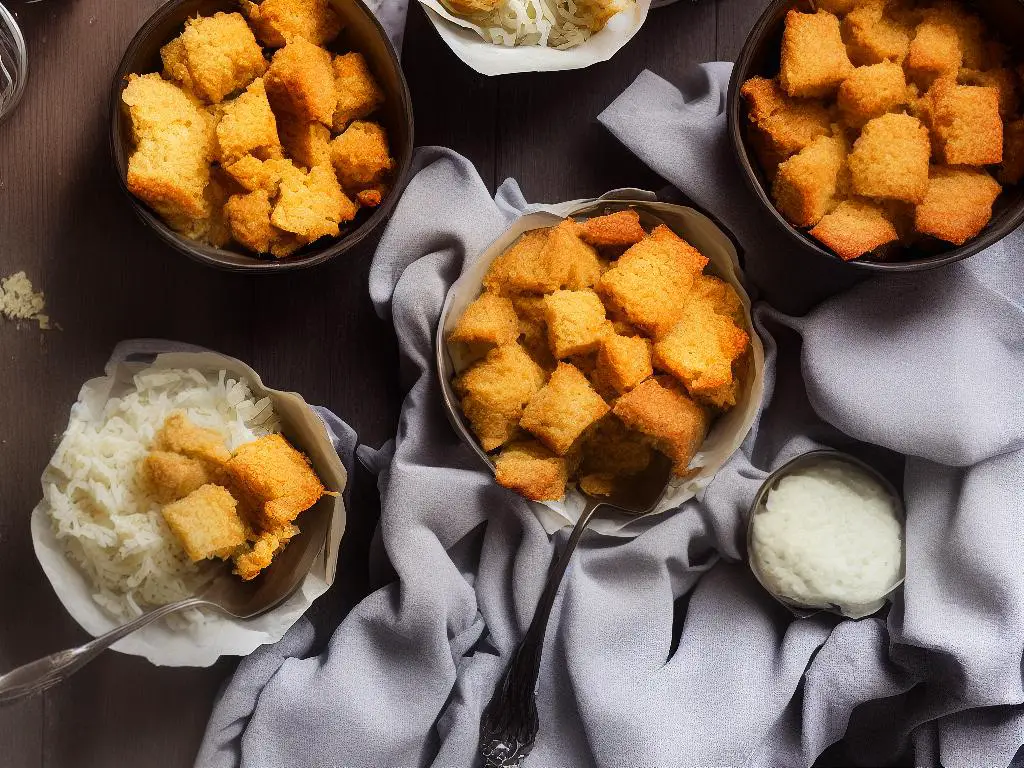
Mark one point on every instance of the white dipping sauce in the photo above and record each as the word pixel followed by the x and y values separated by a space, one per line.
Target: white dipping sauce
pixel 829 535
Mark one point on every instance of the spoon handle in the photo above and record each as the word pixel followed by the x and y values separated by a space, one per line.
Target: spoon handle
pixel 50 670
pixel 509 725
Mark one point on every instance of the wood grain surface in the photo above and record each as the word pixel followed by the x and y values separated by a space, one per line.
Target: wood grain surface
pixel 64 221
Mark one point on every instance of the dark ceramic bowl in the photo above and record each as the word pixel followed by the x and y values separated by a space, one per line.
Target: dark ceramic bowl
pixel 362 32
pixel 760 56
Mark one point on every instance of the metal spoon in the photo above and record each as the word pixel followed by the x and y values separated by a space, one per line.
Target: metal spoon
pixel 225 592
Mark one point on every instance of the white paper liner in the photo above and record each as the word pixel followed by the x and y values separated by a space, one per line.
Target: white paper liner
pixel 487 58
pixel 729 430
pixel 201 644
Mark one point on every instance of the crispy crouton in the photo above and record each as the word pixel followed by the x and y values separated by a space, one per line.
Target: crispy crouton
pixel 533 329
pixel 969 30
pixel 526 267
pixel 723 398
pixel 248 216
pixel 277 21
pixel 648 284
pixel 490 319
pixel 171 476
pixel 169 167
pixel 934 52
pixel 312 205
pixel 659 409
pixel 721 296
pixel 494 391
pixel 618 229
pixel 179 435
pixel 214 229
pixel 854 228
pixel 530 469
pixel 175 67
pixel 251 173
pixel 872 36
pixel 890 159
pixel 575 321
pixel 814 59
pixel 624 361
pixel 564 247
pixel 300 81
pixel 1012 171
pixel 219 53
pixel 308 144
pixel 781 126
pixel 248 126
pixel 958 204
pixel 701 348
pixel 207 523
pixel 563 409
pixel 808 185
pixel 872 91
pixel 275 479
pixel 1003 80
pixel 361 156
pixel 611 448
pixel 694 260
pixel 965 123
pixel 359 95
pixel 259 555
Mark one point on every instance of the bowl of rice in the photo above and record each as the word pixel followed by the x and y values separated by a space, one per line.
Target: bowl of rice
pixel 99 533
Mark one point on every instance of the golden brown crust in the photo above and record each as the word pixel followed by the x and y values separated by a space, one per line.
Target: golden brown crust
pixel 700 350
pixel 966 124
pixel 311 205
pixel 307 143
pixel 220 54
pixel 530 469
pixel 247 126
pixel 872 36
pixel 300 80
pixel 254 558
pixel 958 204
pixel 856 227
pixel 807 185
pixel 934 52
pixel 207 523
pixel 275 479
pixel 620 229
pixel 563 409
pixel 872 91
pixel 814 58
pixel 890 159
pixel 624 361
pixel 575 321
pixel 359 95
pixel 361 156
pixel 490 319
pixel 1003 80
pixel 578 260
pixel 170 476
pixel 781 126
pixel 277 21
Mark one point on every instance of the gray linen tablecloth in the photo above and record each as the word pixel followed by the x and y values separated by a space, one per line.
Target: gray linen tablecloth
pixel 928 366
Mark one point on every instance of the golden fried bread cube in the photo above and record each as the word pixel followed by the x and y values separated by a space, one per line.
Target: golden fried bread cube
pixel 890 159
pixel 207 523
pixel 1003 80
pixel 530 469
pixel 934 52
pixel 649 283
pixel 171 476
pixel 1012 171
pixel 575 321
pixel 251 173
pixel 721 296
pixel 169 167
pixel 612 449
pixel 494 392
pixel 214 229
pixel 872 91
pixel 248 216
pixel 808 185
pixel 966 124
pixel 872 36
pixel 614 230
pixel 307 143
pixel 814 58
pixel 175 67
pixel 275 479
pixel 275 22
pixel 179 435
pixel 723 398
pixel 361 156
pixel 312 205
pixel 624 361
pixel 359 95
pixel 661 410
pixel 958 204
pixel 526 267
pixel 533 329
pixel 563 409
pixel 248 126
pixel 856 227
pixel 970 32
pixel 694 260
pixel 257 556
pixel 578 260
pixel 781 126
pixel 701 348
pixel 490 319
pixel 300 80
pixel 220 54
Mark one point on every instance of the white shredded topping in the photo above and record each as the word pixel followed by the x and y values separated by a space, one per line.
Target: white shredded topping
pixel 560 24
pixel 20 301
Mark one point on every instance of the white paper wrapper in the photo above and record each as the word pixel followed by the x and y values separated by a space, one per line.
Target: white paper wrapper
pixel 487 58
pixel 202 644
pixel 729 430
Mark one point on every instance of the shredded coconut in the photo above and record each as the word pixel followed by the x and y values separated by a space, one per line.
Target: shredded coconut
pixel 19 301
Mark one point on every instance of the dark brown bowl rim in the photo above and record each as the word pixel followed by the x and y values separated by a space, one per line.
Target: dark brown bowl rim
pixel 209 255
pixel 734 119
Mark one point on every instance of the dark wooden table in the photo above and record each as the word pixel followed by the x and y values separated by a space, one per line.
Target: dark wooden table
pixel 64 221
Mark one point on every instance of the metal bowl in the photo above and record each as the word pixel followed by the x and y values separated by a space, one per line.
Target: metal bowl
pixel 361 32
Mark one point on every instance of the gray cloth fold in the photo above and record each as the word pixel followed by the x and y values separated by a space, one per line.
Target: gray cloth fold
pixel 662 650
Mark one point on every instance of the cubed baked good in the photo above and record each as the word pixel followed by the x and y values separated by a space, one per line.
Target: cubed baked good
pixel 180 435
pixel 873 36
pixel 814 58
pixel 1003 80
pixel 781 126
pixel 306 143
pixel 312 204
pixel 958 204
pixel 694 260
pixel 573 257
pixel 661 410
pixel 721 296
pixel 609 448
pixel 361 156
pixel 533 329
pixel 965 122
pixel 808 185
pixel 248 127
pixel 872 91
pixel 563 409
pixel 724 397
pixel 624 361
pixel 255 557
pixel 856 227
pixel 969 28
pixel 359 95
pixel 524 267
pixel 248 216
pixel 277 21
pixel 300 80
pixel 890 159
pixel 530 469
pixel 934 52
pixel 575 321
pixel 207 523
pixel 170 476
pixel 275 479
pixel 251 173
pixel 489 319
pixel 1012 170
pixel 619 229
pixel 701 348
pixel 219 54
pixel 494 392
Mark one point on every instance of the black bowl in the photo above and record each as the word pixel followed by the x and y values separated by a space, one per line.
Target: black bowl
pixel 362 32
pixel 760 56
